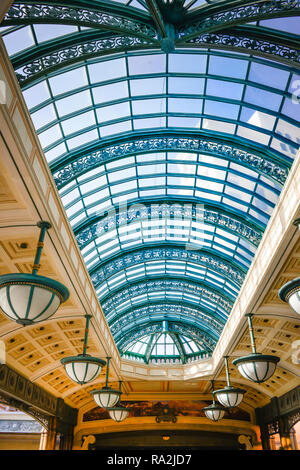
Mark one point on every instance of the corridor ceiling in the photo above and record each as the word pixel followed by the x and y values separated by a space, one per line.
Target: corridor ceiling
pixel 169 128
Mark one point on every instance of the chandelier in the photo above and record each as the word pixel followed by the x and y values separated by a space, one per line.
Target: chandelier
pixel 31 298
pixel 290 292
pixel 83 368
pixel 256 366
pixel 106 397
pixel 229 396
pixel 118 413
pixel 214 412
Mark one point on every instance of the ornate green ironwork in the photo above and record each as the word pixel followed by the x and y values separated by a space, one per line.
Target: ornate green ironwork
pixel 228 16
pixel 105 270
pixel 78 164
pixel 254 140
pixel 26 13
pixel 287 54
pixel 68 55
pixel 160 284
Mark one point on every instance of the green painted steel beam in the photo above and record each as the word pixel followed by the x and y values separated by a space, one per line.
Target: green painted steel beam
pixel 124 341
pixel 279 48
pixel 217 292
pixel 157 17
pixel 200 323
pixel 150 346
pixel 111 319
pixel 92 14
pixel 222 16
pixel 179 346
pixel 104 265
pixel 233 148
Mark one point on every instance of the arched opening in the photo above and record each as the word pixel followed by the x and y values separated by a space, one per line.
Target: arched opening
pixel 19 430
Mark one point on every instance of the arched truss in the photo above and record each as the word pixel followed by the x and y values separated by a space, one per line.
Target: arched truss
pixel 90 45
pixel 165 266
pixel 80 162
pixel 164 289
pixel 206 333
pixel 126 32
pixel 156 327
pixel 167 311
pixel 185 114
pixel 104 271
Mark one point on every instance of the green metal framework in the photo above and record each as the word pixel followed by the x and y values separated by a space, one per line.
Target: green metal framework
pixel 170 128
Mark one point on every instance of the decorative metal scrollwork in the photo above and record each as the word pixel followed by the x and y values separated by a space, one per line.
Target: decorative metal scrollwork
pixel 37 13
pixel 240 14
pixel 186 144
pixel 228 40
pixel 166 285
pixel 164 210
pixel 169 309
pixel 68 55
pixel 293 419
pixel 194 333
pixel 203 259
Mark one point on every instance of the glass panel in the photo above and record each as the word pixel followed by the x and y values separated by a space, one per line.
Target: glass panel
pixel 18 40
pixel 227 67
pixel 68 81
pixel 107 70
pixel 270 76
pixel 105 93
pixel 44 32
pixel 141 65
pixel 148 86
pixel 187 63
pixel 73 103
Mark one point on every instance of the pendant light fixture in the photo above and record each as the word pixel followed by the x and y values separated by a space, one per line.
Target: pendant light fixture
pixel 31 298
pixel 229 396
pixel 106 397
pixel 214 412
pixel 118 413
pixel 290 292
pixel 256 366
pixel 83 368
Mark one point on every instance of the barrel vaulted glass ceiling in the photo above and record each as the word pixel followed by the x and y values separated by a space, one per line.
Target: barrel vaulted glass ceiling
pixel 169 128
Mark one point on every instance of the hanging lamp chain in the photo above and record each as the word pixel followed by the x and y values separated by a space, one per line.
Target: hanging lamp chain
pixel 227 370
pixel 86 333
pixel 107 370
pixel 213 389
pixel 249 316
pixel 44 226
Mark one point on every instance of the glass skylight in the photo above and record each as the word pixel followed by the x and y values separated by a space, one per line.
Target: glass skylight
pixel 169 164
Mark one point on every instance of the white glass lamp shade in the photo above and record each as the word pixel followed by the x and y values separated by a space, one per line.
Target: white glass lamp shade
pixel 256 367
pixel 214 412
pixel 230 396
pixel 29 298
pixel 290 293
pixel 82 369
pixel 119 413
pixel 106 397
